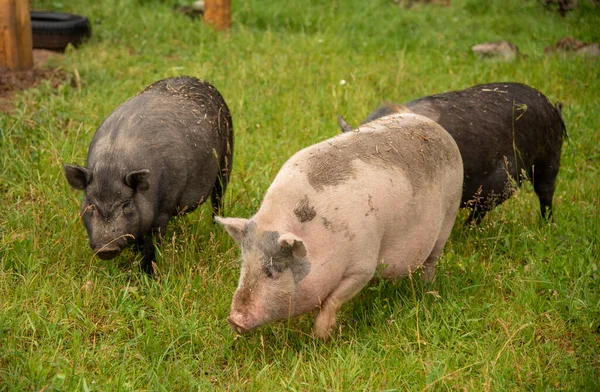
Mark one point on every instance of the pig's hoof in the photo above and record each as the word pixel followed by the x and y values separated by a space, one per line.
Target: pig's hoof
pixel 148 267
pixel 324 336
pixel 323 333
pixel 428 275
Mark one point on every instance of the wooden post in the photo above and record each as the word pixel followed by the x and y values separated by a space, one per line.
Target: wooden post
pixel 16 45
pixel 217 13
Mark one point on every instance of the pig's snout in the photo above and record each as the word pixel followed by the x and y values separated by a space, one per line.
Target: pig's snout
pixel 107 252
pixel 239 322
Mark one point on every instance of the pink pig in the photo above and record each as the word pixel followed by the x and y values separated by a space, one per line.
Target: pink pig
pixel 384 198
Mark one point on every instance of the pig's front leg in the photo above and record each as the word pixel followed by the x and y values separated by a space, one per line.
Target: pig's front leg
pixel 349 286
pixel 148 242
pixel 146 245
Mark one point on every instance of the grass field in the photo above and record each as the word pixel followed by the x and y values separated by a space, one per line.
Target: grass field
pixel 515 305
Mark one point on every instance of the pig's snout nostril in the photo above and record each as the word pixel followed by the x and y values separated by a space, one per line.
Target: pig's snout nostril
pixel 236 324
pixel 107 252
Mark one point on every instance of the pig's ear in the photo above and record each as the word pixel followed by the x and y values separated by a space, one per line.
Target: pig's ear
pixel 78 177
pixel 398 108
pixel 344 125
pixel 234 226
pixel 290 241
pixel 138 179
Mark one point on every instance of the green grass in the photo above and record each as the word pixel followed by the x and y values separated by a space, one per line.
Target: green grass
pixel 515 305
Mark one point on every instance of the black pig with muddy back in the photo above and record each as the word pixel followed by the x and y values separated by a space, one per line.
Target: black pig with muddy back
pixel 161 153
pixel 502 130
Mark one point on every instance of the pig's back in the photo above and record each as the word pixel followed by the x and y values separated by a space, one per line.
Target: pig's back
pixel 496 111
pixel 172 117
pixel 393 180
pixel 412 145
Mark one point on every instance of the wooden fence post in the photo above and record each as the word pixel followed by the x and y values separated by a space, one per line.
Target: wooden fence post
pixel 217 13
pixel 16 45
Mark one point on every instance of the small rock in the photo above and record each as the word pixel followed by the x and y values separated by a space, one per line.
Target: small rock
pixel 501 49
pixel 570 44
pixel 198 6
pixel 589 50
pixel 196 10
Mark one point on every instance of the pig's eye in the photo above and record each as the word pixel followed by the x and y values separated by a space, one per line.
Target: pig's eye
pixel 127 207
pixel 268 271
pixel 90 209
pixel 272 273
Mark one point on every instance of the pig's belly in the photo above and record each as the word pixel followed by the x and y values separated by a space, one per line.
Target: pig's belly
pixel 405 252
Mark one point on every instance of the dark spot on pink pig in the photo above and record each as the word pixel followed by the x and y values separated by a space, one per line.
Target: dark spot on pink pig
pixel 304 211
pixel 372 208
pixel 274 259
pixel 335 227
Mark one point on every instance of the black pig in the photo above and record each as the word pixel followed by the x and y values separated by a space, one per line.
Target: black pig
pixel 161 153
pixel 502 130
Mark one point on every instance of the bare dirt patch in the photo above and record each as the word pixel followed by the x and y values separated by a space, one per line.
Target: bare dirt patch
pixel 570 44
pixel 12 82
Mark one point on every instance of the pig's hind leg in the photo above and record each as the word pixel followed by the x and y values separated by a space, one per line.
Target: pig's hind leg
pixel 348 287
pixel 216 196
pixel 429 264
pixel 543 177
pixel 476 214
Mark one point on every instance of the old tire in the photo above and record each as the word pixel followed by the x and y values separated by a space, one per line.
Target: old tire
pixel 55 30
